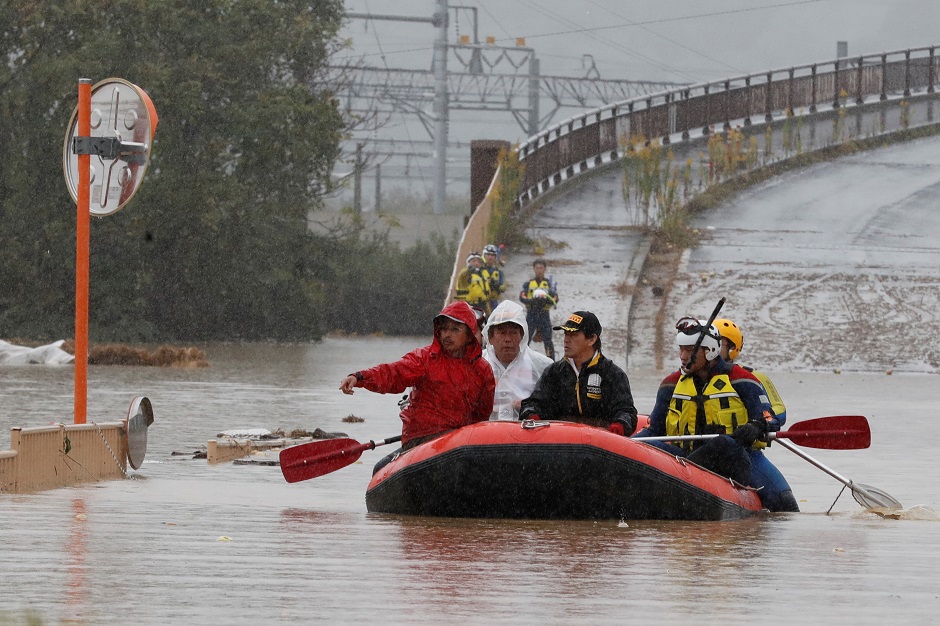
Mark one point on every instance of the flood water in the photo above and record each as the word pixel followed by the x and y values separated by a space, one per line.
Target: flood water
pixel 186 543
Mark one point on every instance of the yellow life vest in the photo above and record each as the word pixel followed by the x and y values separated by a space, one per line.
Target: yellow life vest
pixel 494 279
pixel 472 288
pixel 773 396
pixel 543 284
pixel 723 408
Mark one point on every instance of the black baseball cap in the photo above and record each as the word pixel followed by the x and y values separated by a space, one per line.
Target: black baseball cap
pixel 584 321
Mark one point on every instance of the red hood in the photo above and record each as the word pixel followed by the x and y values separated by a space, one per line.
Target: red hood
pixel 461 312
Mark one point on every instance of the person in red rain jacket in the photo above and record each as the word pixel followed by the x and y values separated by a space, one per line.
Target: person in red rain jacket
pixel 452 385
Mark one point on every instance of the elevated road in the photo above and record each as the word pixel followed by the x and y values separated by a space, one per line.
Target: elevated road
pixel 830 268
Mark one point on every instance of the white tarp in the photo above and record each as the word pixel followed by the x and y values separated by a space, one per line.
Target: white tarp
pixel 50 354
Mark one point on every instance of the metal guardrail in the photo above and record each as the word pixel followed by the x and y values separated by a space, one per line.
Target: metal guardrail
pixel 585 142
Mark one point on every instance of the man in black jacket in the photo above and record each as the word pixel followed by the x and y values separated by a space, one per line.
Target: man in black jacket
pixel 585 386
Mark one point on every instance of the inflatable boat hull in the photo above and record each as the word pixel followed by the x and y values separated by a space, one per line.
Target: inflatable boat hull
pixel 551 470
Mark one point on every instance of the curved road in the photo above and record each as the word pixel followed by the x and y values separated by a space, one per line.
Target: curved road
pixel 829 268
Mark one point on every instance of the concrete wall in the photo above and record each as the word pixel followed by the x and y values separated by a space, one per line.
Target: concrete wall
pixel 60 455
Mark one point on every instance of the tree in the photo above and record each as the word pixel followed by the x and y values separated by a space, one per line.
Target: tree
pixel 215 243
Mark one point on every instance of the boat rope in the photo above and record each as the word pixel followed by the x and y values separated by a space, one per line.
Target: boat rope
pixel 841 491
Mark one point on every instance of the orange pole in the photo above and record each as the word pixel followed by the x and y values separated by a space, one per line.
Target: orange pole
pixel 82 237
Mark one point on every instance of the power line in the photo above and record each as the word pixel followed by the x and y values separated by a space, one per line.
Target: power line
pixel 612 44
pixel 585 30
pixel 682 18
pixel 661 36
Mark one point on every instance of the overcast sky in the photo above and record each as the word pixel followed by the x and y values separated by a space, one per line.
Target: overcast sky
pixel 680 40
pixel 687 41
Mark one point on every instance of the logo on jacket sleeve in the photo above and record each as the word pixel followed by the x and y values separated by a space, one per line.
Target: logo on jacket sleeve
pixel 594 387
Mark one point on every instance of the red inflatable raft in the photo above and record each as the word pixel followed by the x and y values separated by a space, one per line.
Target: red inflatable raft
pixel 551 470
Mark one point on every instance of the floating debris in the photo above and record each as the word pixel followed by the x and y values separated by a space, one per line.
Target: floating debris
pixel 163 356
pixel 226 447
pixel 247 433
pixel 262 461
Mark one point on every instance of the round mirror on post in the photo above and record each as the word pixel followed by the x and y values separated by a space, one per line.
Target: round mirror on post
pixel 139 418
pixel 123 121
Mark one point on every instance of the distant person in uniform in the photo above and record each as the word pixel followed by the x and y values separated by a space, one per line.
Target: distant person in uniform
pixel 493 275
pixel 585 386
pixel 471 286
pixel 516 366
pixel 540 295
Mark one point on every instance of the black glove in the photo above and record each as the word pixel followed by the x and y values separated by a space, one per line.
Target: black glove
pixel 747 434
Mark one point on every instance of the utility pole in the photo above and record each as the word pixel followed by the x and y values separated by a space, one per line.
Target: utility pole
pixel 440 108
pixel 378 187
pixel 440 93
pixel 533 126
pixel 357 180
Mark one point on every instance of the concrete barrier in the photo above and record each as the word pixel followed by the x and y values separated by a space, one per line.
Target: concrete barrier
pixel 60 455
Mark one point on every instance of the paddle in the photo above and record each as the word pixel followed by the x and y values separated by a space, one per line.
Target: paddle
pixel 701 336
pixel 869 497
pixel 838 432
pixel 317 458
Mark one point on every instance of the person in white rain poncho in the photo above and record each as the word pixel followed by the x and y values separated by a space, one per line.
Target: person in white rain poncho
pixel 516 366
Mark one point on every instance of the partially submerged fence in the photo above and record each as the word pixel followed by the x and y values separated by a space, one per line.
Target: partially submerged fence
pixel 599 137
pixel 60 455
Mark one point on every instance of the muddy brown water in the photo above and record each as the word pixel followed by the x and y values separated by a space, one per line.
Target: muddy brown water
pixel 183 542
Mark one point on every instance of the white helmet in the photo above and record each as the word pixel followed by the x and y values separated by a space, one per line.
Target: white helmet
pixel 539 293
pixel 688 330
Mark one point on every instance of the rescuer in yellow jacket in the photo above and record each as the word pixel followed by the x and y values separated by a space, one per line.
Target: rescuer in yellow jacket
pixel 471 286
pixel 493 275
pixel 708 396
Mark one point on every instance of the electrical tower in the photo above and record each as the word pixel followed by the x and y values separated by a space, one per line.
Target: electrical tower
pixel 488 77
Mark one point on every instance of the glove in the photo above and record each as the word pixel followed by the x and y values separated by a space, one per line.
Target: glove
pixel 535 417
pixel 747 434
pixel 616 428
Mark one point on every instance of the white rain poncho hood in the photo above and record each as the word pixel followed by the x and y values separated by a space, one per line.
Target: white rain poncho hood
pixel 516 381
